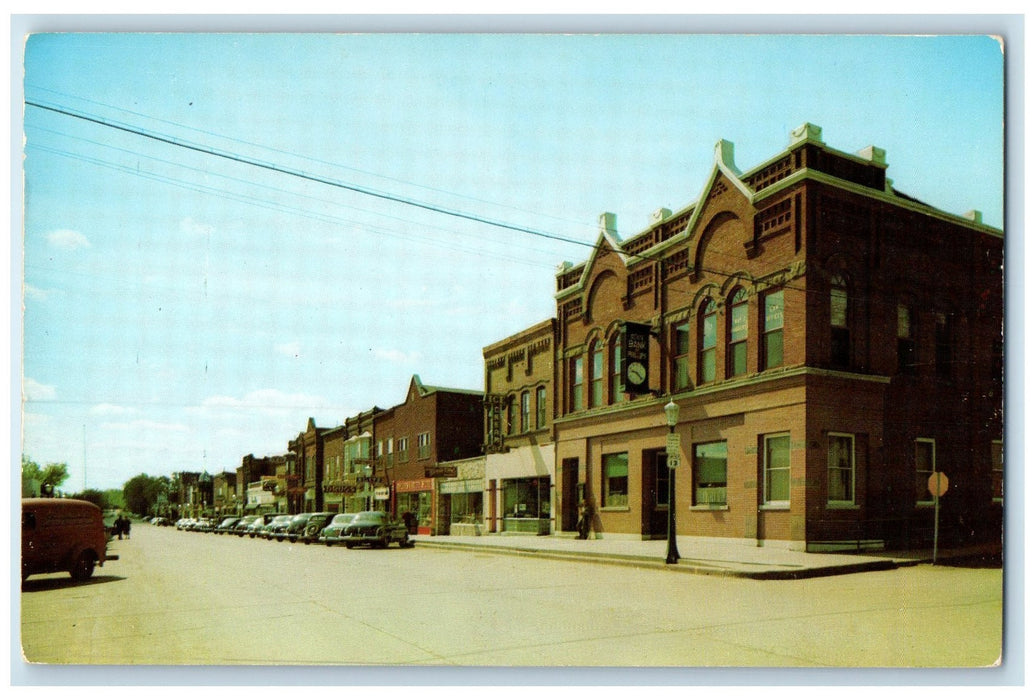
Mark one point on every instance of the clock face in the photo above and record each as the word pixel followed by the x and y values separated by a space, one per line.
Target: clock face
pixel 636 372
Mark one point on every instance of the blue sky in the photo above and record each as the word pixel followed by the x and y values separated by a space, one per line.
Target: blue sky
pixel 183 310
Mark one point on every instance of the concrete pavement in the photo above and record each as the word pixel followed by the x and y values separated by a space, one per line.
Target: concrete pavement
pixel 703 556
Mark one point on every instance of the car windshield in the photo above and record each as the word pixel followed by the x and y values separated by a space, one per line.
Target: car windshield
pixel 373 516
pixel 281 520
pixel 343 518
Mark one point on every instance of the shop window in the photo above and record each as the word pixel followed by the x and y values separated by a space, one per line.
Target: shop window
pixel 706 342
pixel 575 379
pixel 942 346
pixel 616 480
pixel 772 331
pixel 906 341
pixel 736 354
pixel 681 357
pixel 840 468
pixel 839 336
pixel 526 498
pixel 596 379
pixel 924 459
pixel 424 445
pixel 526 411
pixel 776 469
pixel 997 471
pixel 710 473
pixel 540 407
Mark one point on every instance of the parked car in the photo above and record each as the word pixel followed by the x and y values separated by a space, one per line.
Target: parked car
pixel 202 525
pixel 63 534
pixel 258 528
pixel 316 523
pixel 240 528
pixel 226 525
pixel 276 527
pixel 295 528
pixel 184 523
pixel 334 532
pixel 377 529
pixel 161 522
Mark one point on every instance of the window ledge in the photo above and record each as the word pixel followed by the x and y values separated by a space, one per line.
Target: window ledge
pixel 706 508
pixel 843 506
pixel 615 509
pixel 775 506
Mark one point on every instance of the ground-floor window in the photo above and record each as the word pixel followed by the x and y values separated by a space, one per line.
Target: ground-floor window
pixel 840 468
pixel 418 505
pixel 526 498
pixel 776 469
pixel 616 480
pixel 710 473
pixel 465 507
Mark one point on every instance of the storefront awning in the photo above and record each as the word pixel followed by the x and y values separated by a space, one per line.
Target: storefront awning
pixel 524 461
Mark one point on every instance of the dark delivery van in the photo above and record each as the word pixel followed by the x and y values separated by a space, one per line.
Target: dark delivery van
pixel 62 534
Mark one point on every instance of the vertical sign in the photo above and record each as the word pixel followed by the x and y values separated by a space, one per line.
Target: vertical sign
pixel 636 357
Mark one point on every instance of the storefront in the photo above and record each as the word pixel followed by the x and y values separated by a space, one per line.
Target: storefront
pixel 461 497
pixel 414 504
pixel 520 486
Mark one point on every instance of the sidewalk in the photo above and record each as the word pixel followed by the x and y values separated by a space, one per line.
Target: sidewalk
pixel 698 556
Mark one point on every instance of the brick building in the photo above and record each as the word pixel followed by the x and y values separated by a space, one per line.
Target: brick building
pixel 412 441
pixel 519 448
pixel 831 342
pixel 348 479
pixel 304 478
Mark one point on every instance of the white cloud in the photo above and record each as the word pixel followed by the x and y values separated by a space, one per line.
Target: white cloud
pixel 108 409
pixel 195 228
pixel 293 349
pixel 35 391
pixel 67 239
pixel 397 357
pixel 35 292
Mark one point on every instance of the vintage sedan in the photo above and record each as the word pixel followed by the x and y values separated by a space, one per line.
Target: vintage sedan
pixel 377 529
pixel 314 526
pixel 226 525
pixel 276 527
pixel 334 533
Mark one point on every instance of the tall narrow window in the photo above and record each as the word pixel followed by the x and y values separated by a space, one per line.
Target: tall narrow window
pixel 616 393
pixel 576 379
pixel 706 345
pixel 839 337
pixel 776 469
pixel 942 346
pixel 596 381
pixel 526 411
pixel 540 407
pixel 906 342
pixel 840 468
pixel 925 466
pixel 997 471
pixel 616 479
pixel 424 445
pixel 681 357
pixel 736 355
pixel 710 474
pixel 772 331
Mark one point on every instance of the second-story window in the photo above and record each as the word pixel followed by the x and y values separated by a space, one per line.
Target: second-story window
pixel 526 411
pixel 616 393
pixel 512 415
pixel 681 357
pixel 906 342
pixel 839 337
pixel 575 386
pixel 706 344
pixel 736 354
pixel 596 381
pixel 424 445
pixel 403 449
pixel 540 407
pixel 943 346
pixel 772 331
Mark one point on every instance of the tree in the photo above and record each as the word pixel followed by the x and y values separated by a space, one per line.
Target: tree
pixel 142 492
pixel 93 496
pixel 34 476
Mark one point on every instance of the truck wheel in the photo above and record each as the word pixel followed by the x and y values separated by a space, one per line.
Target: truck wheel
pixel 83 567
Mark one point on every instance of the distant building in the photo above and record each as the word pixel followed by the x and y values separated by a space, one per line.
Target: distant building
pixel 831 343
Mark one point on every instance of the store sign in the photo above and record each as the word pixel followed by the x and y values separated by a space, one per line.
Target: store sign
pixel 439 472
pixel 636 357
pixel 494 413
pixel 381 493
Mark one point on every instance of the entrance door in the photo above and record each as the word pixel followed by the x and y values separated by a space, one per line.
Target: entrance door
pixel 570 496
pixel 655 494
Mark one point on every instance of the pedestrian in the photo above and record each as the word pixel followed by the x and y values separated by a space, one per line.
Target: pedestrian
pixel 585 519
pixel 125 526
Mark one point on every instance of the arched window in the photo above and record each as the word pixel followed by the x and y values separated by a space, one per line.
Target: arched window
pixel 736 333
pixel 596 379
pixel 681 356
pixel 706 342
pixel 616 393
pixel 840 345
pixel 526 411
pixel 540 407
pixel 575 380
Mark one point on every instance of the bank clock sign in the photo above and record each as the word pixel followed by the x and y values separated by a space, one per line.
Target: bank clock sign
pixel 636 357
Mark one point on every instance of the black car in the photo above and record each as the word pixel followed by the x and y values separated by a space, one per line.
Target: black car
pixel 257 528
pixel 377 529
pixel 294 528
pixel 275 529
pixel 226 525
pixel 240 528
pixel 316 523
pixel 335 530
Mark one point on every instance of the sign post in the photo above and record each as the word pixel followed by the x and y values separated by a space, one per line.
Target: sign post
pixel 938 485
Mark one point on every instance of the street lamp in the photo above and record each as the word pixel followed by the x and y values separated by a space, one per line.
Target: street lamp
pixel 672 448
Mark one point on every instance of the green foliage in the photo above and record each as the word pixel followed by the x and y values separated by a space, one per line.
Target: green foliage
pixel 141 493
pixel 34 476
pixel 93 496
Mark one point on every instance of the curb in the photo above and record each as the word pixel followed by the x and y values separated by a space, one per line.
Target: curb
pixel 687 566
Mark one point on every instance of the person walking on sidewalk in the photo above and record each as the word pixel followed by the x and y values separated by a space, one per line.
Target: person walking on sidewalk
pixel 585 519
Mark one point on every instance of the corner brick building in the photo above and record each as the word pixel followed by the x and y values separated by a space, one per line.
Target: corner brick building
pixel 831 343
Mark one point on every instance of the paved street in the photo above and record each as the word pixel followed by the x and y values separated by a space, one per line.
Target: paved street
pixel 191 598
